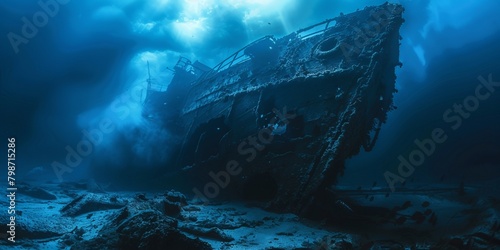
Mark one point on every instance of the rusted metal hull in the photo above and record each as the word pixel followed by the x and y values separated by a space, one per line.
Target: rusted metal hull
pixel 290 116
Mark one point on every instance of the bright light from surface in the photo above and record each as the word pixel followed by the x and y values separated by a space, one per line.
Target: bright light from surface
pixel 162 3
pixel 190 31
pixel 193 9
pixel 419 51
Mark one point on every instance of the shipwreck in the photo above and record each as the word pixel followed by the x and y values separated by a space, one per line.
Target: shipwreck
pixel 283 114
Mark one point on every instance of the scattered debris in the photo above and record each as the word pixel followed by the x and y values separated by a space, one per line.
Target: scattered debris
pixel 35 192
pixel 91 202
pixel 212 233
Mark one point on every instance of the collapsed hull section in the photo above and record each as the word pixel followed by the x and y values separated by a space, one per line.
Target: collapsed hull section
pixel 288 112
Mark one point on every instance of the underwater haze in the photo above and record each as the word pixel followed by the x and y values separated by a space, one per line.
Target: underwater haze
pixel 75 78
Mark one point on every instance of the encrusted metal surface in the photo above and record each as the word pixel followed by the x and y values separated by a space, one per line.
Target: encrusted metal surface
pixel 334 83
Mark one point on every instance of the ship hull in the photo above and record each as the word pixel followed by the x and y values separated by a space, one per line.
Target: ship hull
pixel 278 127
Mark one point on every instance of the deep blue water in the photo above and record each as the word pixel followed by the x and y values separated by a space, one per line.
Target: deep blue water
pixel 74 68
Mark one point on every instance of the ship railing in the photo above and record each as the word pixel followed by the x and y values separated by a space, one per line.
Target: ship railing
pixel 316 29
pixel 183 64
pixel 158 87
pixel 236 58
pixel 240 56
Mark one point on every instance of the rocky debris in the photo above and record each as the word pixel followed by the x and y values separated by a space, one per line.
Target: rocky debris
pixel 227 218
pixel 173 203
pixel 172 208
pixel 141 225
pixel 91 202
pixel 212 233
pixel 477 240
pixel 170 204
pixel 37 230
pixel 174 196
pixel 141 197
pixel 72 237
pixel 35 192
pixel 222 221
